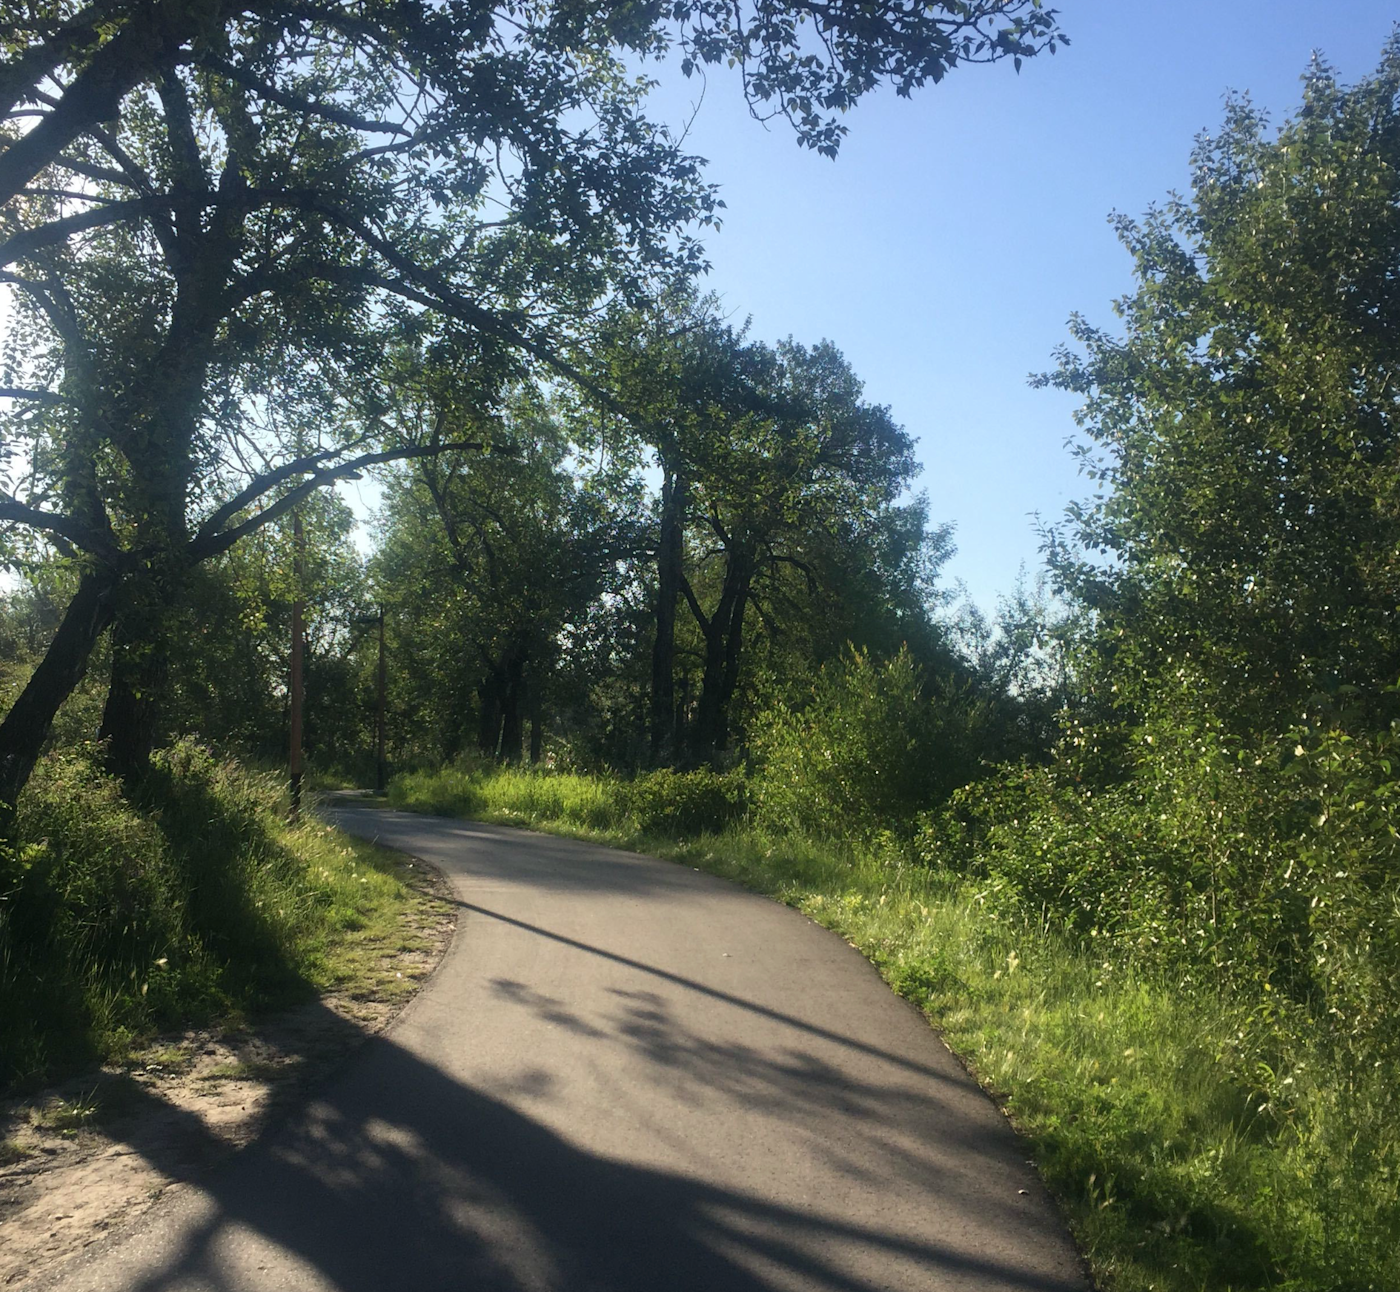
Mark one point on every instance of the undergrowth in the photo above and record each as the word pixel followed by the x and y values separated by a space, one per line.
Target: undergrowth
pixel 193 902
pixel 1198 1139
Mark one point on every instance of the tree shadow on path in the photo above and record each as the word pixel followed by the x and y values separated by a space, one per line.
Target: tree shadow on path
pixel 404 1178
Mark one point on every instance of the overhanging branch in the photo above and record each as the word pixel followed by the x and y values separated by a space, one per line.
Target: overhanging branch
pixel 209 543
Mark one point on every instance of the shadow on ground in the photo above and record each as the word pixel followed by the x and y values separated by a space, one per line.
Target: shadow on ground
pixel 454 1188
pixel 887 1170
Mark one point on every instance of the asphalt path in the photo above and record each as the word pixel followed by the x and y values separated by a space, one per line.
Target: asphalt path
pixel 625 1076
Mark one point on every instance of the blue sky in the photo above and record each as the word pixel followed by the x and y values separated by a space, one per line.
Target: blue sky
pixel 946 247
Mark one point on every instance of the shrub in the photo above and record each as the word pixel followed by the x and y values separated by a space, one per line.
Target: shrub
pixel 868 751
pixel 1258 867
pixel 122 916
pixel 674 804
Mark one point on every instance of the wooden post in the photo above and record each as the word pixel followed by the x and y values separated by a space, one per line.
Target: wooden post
pixel 381 765
pixel 294 758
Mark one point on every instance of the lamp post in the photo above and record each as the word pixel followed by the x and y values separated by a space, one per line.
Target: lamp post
pixel 381 760
pixel 294 754
pixel 381 764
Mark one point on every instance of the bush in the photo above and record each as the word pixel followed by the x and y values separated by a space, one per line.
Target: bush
pixel 869 750
pixel 1266 867
pixel 673 804
pixel 119 917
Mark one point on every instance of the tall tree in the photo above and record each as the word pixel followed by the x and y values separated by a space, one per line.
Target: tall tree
pixel 202 198
pixel 491 567
pixel 777 481
pixel 1246 547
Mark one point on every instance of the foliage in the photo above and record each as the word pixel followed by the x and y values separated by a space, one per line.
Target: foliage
pixel 662 803
pixel 121 918
pixel 783 524
pixel 1243 426
pixel 872 744
pixel 1196 1137
pixel 675 804
pixel 1265 868
pixel 494 573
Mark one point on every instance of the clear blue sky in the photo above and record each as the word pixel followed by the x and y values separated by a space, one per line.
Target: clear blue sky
pixel 946 247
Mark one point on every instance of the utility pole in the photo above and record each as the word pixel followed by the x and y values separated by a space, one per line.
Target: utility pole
pixel 381 765
pixel 294 758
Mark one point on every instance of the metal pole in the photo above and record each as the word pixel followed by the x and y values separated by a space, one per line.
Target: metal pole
pixel 381 766
pixel 294 759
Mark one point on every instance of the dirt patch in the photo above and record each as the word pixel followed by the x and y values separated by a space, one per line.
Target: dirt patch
pixel 94 1153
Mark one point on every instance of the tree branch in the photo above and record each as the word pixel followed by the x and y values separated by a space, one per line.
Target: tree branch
pixel 209 542
pixel 693 602
pixel 15 512
pixel 295 103
pixel 28 241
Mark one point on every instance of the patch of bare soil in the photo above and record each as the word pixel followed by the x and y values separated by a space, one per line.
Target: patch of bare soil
pixel 94 1153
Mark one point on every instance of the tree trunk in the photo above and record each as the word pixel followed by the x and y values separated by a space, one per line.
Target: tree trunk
pixel 27 725
pixel 670 553
pixel 723 647
pixel 512 709
pixel 140 671
pixel 488 738
pixel 733 649
pixel 536 722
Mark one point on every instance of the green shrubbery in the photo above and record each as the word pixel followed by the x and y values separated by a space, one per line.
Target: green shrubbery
pixel 119 917
pixel 864 752
pixel 663 803
pixel 1229 866
pixel 680 804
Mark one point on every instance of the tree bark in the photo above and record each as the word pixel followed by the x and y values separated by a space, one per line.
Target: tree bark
pixel 723 632
pixel 140 678
pixel 140 672
pixel 536 701
pixel 670 552
pixel 488 738
pixel 27 725
pixel 512 709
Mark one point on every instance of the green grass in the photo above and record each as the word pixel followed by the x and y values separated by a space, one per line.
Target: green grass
pixel 194 903
pixel 1145 1110
pixel 12 1152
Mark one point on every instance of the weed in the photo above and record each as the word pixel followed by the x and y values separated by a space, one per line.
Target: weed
pixel 12 1151
pixel 190 903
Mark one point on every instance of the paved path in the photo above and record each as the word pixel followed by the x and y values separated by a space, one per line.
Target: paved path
pixel 626 1076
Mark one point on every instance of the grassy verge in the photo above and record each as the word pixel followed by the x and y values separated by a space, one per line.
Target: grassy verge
pixel 1144 1114
pixel 193 904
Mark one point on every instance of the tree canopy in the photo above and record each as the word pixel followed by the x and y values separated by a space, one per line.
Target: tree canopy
pixel 218 218
pixel 1242 427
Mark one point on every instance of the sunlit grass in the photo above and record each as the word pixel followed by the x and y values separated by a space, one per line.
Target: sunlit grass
pixel 1173 1170
pixel 195 904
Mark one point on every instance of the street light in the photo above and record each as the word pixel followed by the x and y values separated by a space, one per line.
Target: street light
pixel 294 756
pixel 381 762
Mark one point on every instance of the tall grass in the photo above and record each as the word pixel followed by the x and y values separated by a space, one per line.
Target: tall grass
pixel 1147 1101
pixel 195 900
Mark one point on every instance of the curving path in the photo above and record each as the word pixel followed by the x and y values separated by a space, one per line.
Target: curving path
pixel 626 1076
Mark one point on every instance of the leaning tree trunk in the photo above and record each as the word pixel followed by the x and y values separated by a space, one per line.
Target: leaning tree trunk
pixel 27 725
pixel 670 552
